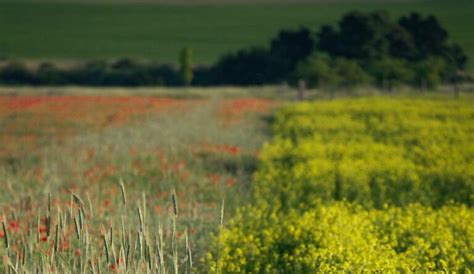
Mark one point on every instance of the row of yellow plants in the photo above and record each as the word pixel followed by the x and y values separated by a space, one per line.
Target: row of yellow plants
pixel 372 151
pixel 346 237
pixel 374 184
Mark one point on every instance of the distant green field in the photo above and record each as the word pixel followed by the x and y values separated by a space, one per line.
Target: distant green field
pixel 36 30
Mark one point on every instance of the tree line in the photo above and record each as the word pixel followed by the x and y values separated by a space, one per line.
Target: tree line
pixel 361 49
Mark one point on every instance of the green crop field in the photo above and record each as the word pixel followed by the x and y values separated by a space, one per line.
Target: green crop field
pixel 73 30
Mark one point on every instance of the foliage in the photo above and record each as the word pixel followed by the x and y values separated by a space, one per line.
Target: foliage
pixel 373 36
pixel 16 73
pixel 257 66
pixel 253 66
pixel 48 74
pixel 427 73
pixel 317 72
pixel 351 73
pixel 390 72
pixel 289 48
pixel 186 70
pixel 123 72
pixel 321 71
pixel 360 36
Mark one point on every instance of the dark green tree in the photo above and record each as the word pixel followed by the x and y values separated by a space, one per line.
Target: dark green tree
pixel 390 72
pixel 401 43
pixel 254 66
pixel 318 71
pixel 288 49
pixel 427 73
pixel 360 36
pixel 351 73
pixel 186 70
pixel 16 73
pixel 428 36
pixel 48 74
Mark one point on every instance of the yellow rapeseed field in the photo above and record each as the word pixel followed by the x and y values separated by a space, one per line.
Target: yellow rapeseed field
pixel 374 184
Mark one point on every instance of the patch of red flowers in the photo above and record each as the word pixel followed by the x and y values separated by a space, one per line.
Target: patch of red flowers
pixel 233 110
pixel 217 148
pixel 57 117
pixel 13 226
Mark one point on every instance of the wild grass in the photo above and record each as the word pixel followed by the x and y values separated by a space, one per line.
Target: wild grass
pixel 139 197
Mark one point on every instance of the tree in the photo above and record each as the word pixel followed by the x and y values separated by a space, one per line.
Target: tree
pixel 428 36
pixel 455 56
pixel 427 73
pixel 317 71
pixel 361 36
pixel 93 73
pixel 17 74
pixel 351 73
pixel 328 41
pixel 186 70
pixel 289 48
pixel 254 66
pixel 48 74
pixel 390 72
pixel 401 43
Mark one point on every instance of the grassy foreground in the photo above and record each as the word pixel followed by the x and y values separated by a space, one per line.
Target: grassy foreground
pixel 136 181
pixel 76 31
pixel 132 184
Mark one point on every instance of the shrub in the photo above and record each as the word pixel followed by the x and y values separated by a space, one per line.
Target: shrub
pixel 253 66
pixel 353 74
pixel 92 73
pixel 390 72
pixel 317 71
pixel 427 73
pixel 16 73
pixel 48 74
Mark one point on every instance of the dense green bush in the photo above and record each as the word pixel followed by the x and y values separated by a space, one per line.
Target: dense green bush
pixel 427 73
pixel 390 73
pixel 351 73
pixel 323 72
pixel 48 74
pixel 123 72
pixel 253 66
pixel 16 73
pixel 317 72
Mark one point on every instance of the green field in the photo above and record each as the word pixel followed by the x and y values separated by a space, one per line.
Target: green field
pixel 70 31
